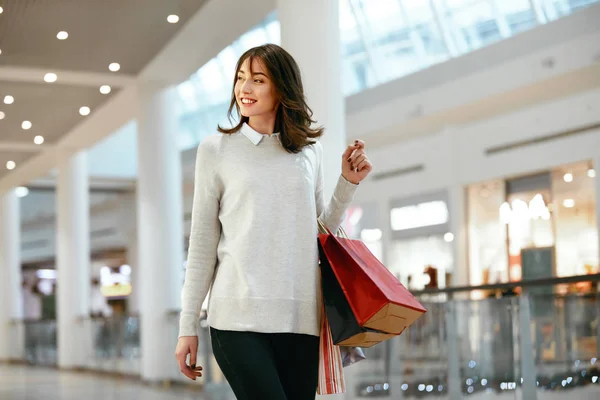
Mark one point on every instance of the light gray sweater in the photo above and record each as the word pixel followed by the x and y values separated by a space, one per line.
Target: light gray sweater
pixel 253 239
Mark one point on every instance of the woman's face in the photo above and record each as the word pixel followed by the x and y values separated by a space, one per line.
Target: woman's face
pixel 254 92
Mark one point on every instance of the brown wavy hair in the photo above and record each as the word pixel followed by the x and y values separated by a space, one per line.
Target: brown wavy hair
pixel 294 117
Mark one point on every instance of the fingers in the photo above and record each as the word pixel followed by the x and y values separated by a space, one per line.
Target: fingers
pixel 364 165
pixel 357 145
pixel 356 158
pixel 193 354
pixel 348 153
pixel 360 162
pixel 183 367
pixel 191 372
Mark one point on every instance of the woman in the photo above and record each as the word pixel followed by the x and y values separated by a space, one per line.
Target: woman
pixel 258 193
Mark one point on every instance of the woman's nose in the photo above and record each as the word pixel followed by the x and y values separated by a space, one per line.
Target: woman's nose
pixel 246 87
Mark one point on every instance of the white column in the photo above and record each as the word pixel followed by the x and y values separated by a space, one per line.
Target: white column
pixel 457 208
pixel 160 230
pixel 11 298
pixel 596 162
pixel 538 9
pixel 310 33
pixel 128 218
pixel 72 258
pixel 133 301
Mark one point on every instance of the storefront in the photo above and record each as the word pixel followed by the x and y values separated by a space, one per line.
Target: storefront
pixel 110 286
pixel 536 226
pixel 419 249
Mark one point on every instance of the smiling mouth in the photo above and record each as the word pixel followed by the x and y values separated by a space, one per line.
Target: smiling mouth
pixel 248 101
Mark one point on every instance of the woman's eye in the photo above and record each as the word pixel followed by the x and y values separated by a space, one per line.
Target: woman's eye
pixel 258 81
pixel 239 78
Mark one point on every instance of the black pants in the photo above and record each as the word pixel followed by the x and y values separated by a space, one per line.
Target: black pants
pixel 268 366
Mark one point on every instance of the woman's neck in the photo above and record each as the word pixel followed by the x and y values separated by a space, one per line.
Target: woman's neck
pixel 262 124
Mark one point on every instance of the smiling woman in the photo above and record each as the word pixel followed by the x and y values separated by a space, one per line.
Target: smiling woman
pixel 268 89
pixel 262 179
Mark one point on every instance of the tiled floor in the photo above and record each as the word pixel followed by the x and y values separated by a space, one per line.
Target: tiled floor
pixel 19 382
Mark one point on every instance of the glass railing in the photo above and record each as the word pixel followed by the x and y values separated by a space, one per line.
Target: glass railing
pixel 108 344
pixel 521 340
pixel 114 344
pixel 40 341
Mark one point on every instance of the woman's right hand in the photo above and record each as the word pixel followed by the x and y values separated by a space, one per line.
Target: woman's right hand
pixel 188 345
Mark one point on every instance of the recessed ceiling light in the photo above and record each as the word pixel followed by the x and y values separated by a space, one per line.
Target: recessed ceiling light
pixel 1 10
pixel 84 111
pixel 21 191
pixel 9 99
pixel 2 115
pixel 62 35
pixel 569 203
pixel 26 125
pixel 0 51
pixel 50 77
pixel 568 177
pixel 591 172
pixel 105 89
pixel 10 165
pixel 173 19
pixel 114 67
pixel 38 139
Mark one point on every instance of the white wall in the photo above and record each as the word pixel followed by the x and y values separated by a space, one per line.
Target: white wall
pixel 458 154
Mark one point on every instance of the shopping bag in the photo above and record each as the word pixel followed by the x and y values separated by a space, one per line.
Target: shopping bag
pixel 365 304
pixel 351 355
pixel 331 374
pixel 333 358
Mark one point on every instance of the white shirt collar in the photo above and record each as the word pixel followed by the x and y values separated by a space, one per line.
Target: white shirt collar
pixel 252 135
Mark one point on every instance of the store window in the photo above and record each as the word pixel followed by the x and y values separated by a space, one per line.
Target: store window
pixel 420 253
pixel 488 256
pixel 575 220
pixel 362 223
pixel 534 227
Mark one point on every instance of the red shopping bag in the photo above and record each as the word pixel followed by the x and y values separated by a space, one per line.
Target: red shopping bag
pixel 370 305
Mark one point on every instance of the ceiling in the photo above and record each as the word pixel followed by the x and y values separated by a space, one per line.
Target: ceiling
pixel 52 109
pixel 128 32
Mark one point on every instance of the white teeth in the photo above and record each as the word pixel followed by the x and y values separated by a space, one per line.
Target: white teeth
pixel 248 101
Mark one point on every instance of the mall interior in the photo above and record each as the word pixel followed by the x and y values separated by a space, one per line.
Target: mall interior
pixel 481 119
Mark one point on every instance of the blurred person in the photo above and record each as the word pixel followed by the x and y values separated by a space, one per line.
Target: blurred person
pixel 258 193
pixel 49 303
pixel 99 306
pixel 32 301
pixel 32 310
pixel 100 311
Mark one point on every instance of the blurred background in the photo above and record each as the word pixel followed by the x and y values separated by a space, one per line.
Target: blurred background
pixel 482 120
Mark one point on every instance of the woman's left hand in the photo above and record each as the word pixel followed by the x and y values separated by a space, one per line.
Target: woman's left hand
pixel 355 163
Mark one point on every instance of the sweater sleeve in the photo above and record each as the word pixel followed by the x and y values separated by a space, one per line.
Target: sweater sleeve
pixel 204 239
pixel 332 214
